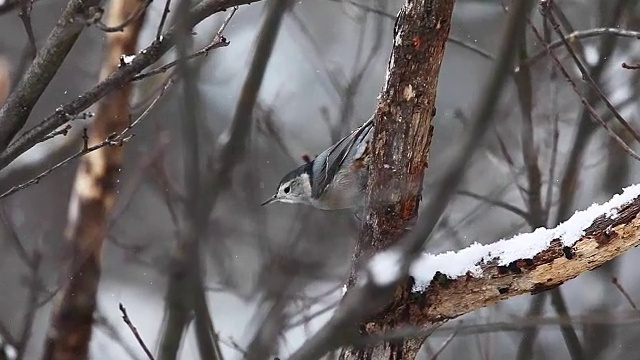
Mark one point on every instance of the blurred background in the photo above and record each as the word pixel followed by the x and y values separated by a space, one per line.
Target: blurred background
pixel 322 80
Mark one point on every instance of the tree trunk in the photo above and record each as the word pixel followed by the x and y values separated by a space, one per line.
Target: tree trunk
pixel 91 203
pixel 402 138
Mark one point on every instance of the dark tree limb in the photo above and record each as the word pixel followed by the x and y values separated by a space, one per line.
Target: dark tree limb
pixel 182 279
pixel 117 78
pixel 16 110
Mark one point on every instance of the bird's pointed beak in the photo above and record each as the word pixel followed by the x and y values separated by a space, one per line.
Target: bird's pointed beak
pixel 269 201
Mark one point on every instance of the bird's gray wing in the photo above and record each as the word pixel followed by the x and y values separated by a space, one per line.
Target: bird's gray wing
pixel 327 164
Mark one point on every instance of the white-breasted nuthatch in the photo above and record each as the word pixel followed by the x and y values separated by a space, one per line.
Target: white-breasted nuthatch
pixel 335 179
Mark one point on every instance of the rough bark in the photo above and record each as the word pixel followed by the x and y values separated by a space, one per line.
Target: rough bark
pixel 446 299
pixel 91 203
pixel 403 131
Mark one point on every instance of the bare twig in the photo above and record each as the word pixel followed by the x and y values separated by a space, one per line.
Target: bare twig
pixel 524 88
pixel 133 329
pixel 583 34
pixel 218 41
pixel 163 19
pixel 509 207
pixel 624 293
pixel 140 11
pixel 630 67
pixel 586 126
pixel 25 15
pixel 591 111
pixel 367 8
pixel 185 276
pixel 118 78
pixel 31 304
pixel 445 343
pixel 108 328
pixel 115 139
pixel 16 110
pixel 568 332
pixel 549 14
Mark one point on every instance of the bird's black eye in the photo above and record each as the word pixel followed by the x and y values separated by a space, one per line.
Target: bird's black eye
pixel 286 190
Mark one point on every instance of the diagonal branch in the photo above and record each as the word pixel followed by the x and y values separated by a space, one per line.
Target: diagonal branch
pixel 448 285
pixel 16 110
pixel 114 80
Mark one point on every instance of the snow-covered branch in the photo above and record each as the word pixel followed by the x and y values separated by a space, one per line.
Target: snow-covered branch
pixel 443 287
pixel 448 285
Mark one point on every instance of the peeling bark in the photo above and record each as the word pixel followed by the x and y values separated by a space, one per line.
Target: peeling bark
pixel 447 299
pixel 91 202
pixel 403 132
pixel 403 128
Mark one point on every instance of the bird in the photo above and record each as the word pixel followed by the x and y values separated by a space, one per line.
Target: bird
pixel 336 179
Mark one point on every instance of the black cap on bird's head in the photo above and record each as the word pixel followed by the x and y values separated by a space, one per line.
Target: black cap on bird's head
pixel 291 187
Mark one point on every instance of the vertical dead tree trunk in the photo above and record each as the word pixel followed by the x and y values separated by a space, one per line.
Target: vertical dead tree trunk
pixel 402 136
pixel 91 203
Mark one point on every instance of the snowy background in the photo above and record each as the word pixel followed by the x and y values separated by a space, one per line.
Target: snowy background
pixel 248 247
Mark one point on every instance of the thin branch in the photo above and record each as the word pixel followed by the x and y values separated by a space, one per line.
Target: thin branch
pixel 25 15
pixel 515 324
pixel 121 76
pixel 133 329
pixel 165 13
pixel 529 335
pixel 115 139
pixel 630 67
pixel 524 87
pixel 132 17
pixel 367 8
pixel 568 332
pixel 618 286
pixel 590 110
pixel 549 14
pixel 554 157
pixel 16 109
pixel 212 186
pixel 218 41
pixel 586 126
pixel 582 34
pixel 501 204
pixel 103 324
pixel 445 343
pixel 31 304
